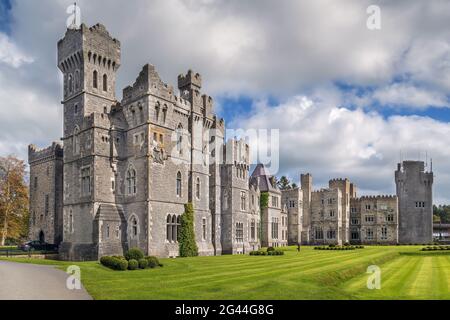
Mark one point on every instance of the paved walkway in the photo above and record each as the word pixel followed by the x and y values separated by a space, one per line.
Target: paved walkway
pixel 20 281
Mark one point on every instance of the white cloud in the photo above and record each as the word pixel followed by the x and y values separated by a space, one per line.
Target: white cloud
pixel 259 49
pixel 331 142
pixel 405 95
pixel 10 54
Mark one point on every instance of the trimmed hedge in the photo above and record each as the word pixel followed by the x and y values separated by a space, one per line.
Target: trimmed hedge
pixel 436 248
pixel 153 262
pixel 143 264
pixel 114 263
pixel 333 247
pixel 134 254
pixel 267 253
pixel 133 264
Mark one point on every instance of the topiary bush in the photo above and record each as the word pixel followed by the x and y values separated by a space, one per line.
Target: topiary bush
pixel 186 237
pixel 143 264
pixel 269 249
pixel 133 264
pixel 134 254
pixel 114 263
pixel 153 262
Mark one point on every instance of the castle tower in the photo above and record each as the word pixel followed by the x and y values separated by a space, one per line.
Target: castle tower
pixel 306 181
pixel 89 59
pixel 415 199
pixel 236 198
pixel 46 198
pixel 347 189
pixel 201 120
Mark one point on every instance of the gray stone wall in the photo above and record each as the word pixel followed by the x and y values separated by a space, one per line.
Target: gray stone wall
pixel 415 197
pixel 46 178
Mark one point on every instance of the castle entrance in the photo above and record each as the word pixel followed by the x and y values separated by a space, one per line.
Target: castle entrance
pixel 41 237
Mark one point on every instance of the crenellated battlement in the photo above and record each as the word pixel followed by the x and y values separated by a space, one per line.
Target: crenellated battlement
pixel 36 154
pixel 190 80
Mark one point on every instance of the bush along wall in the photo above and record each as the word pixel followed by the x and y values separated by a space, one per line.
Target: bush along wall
pixel 186 237
pixel 133 260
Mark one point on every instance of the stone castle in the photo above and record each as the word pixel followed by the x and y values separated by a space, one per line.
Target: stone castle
pixel 125 169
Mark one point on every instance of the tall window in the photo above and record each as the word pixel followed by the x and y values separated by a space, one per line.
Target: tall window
pixel 318 233
pixel 169 228
pixel 173 228
pixel 180 139
pixel 95 79
pixel 47 204
pixel 134 228
pixel 86 181
pixel 204 226
pixel 131 181
pixel 105 82
pixel 243 201
pixel 197 188
pixel 164 114
pixel 275 225
pixel 369 234
pixel 331 234
pixel 70 84
pixel 107 231
pixel 239 232
pixel 384 233
pixel 179 184
pixel 71 222
pixel 35 182
pixel 76 141
pixel 253 230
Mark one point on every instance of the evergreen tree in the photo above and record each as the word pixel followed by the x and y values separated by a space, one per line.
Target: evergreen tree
pixel 186 237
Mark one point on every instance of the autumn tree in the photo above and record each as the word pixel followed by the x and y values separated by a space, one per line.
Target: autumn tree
pixel 13 199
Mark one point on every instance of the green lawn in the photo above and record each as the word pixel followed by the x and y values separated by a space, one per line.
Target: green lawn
pixel 406 274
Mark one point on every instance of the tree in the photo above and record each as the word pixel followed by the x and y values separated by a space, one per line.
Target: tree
pixel 13 199
pixel 186 237
pixel 442 213
pixel 284 183
pixel 294 186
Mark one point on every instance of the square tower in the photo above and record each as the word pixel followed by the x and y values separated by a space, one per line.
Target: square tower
pixel 415 201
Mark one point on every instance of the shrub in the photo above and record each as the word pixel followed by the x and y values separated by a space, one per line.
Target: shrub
pixel 269 249
pixel 186 238
pixel 153 262
pixel 332 246
pixel 134 254
pixel 133 264
pixel 143 264
pixel 346 244
pixel 114 263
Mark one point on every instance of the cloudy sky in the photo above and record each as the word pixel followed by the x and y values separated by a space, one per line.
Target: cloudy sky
pixel 349 101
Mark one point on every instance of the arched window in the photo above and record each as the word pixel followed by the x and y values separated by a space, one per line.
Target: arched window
pixel 76 141
pixel 95 79
pixel 77 80
pixel 131 181
pixel 105 82
pixel 197 188
pixel 174 229
pixel 169 228
pixel 180 139
pixel 134 228
pixel 179 184
pixel 70 84
pixel 71 222
pixel 164 113
pixel 178 227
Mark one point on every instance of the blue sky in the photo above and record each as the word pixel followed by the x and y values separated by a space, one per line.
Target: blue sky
pixel 347 100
